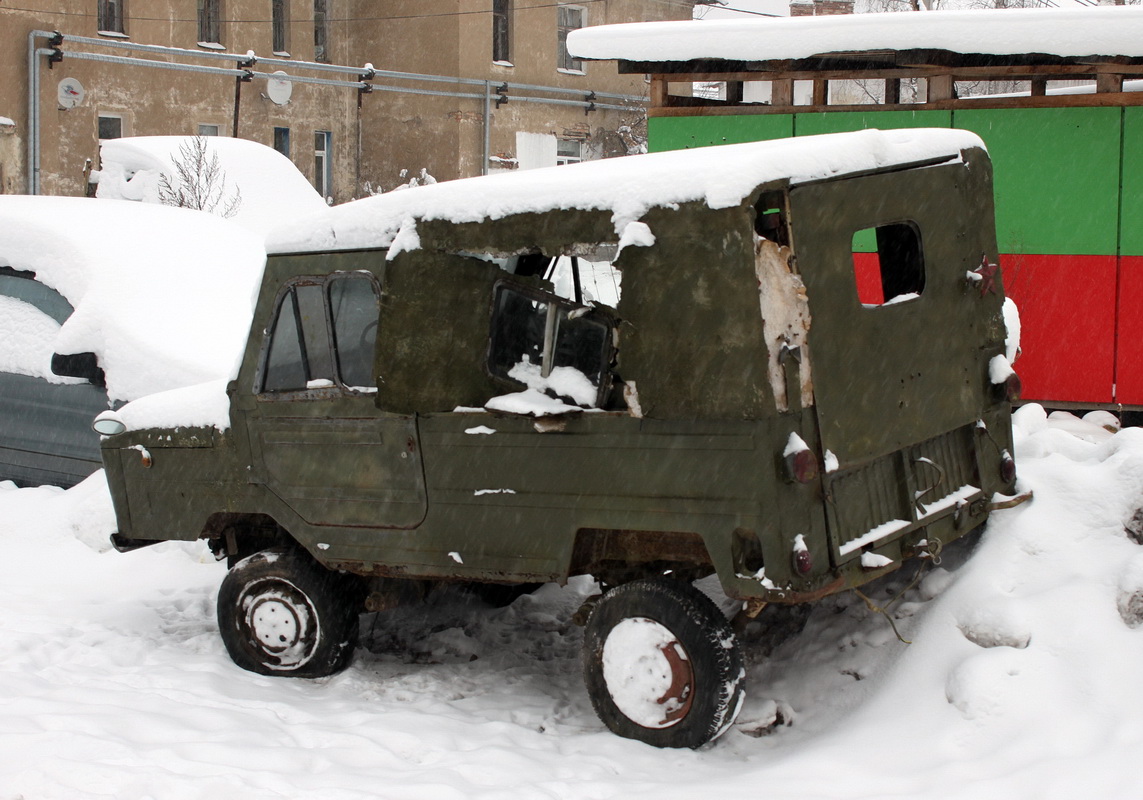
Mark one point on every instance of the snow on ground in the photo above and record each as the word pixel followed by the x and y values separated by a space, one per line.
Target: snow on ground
pixel 1021 682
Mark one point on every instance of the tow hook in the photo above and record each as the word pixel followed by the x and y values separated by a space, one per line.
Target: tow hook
pixel 1009 502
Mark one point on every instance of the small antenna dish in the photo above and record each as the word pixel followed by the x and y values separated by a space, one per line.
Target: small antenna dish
pixel 69 93
pixel 279 89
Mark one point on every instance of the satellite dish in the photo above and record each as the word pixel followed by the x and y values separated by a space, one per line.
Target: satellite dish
pixel 69 93
pixel 279 89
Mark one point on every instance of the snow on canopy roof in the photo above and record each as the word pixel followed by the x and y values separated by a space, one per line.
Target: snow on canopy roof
pixel 273 191
pixel 627 187
pixel 1071 32
pixel 163 296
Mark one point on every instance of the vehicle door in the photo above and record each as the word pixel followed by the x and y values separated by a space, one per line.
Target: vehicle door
pixel 895 344
pixel 318 440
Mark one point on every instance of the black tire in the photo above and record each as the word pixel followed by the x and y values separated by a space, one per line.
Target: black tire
pixel 704 682
pixel 281 613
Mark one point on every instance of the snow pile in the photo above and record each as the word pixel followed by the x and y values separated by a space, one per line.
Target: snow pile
pixel 162 296
pixel 1021 681
pixel 721 177
pixel 1069 32
pixel 273 191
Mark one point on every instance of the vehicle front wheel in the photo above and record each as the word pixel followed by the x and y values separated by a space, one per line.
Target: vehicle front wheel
pixel 281 613
pixel 662 665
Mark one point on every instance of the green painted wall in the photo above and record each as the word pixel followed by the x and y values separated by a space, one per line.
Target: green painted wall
pixel 678 133
pixel 1131 240
pixel 842 121
pixel 1056 175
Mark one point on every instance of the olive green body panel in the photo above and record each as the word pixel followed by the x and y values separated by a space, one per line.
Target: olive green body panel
pixel 686 465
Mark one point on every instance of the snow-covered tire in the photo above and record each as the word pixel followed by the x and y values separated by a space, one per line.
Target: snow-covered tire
pixel 281 613
pixel 662 665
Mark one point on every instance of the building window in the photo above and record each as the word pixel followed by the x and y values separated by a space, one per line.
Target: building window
pixel 207 130
pixel 321 30
pixel 210 21
pixel 280 20
pixel 111 16
pixel 571 18
pixel 282 141
pixel 322 166
pixel 568 151
pixel 110 127
pixel 502 31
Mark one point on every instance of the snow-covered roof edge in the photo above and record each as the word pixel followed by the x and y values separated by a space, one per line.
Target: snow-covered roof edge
pixel 627 187
pixel 1065 32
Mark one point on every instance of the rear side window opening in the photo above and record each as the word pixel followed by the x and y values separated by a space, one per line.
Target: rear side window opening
pixel 538 338
pixel 888 264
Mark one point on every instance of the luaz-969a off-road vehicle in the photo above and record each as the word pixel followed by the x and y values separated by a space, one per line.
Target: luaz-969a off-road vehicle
pixel 781 363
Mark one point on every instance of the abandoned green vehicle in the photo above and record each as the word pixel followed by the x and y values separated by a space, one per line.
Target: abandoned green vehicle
pixel 780 363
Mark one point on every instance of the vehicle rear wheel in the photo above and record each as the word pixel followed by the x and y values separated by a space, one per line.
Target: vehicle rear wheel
pixel 281 613
pixel 662 665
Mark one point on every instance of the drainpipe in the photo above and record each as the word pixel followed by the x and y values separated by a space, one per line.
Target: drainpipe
pixel 487 110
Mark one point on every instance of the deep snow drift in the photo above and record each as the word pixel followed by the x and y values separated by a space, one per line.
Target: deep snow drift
pixel 1021 681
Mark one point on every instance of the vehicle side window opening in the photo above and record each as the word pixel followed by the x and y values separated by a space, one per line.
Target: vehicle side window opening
pixel 888 264
pixel 353 309
pixel 771 221
pixel 586 277
pixel 549 345
pixel 301 354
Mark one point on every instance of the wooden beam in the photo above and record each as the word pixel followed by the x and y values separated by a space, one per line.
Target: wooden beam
pixel 1104 100
pixel 892 91
pixel 1039 87
pixel 1106 82
pixel 1051 72
pixel 941 88
pixel 658 91
pixel 821 93
pixel 782 93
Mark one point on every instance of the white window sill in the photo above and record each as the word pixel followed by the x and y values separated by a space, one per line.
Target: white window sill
pixel 282 54
pixel 211 46
pixel 503 64
pixel 563 71
pixel 113 34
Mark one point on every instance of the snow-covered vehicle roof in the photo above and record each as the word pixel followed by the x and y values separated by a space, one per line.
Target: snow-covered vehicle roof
pixel 627 187
pixel 1067 33
pixel 163 296
pixel 273 191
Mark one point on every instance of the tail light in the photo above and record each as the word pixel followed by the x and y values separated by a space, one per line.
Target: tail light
pixel 1007 467
pixel 801 463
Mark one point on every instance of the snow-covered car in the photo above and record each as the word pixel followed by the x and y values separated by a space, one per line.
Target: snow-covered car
pixel 261 187
pixel 102 302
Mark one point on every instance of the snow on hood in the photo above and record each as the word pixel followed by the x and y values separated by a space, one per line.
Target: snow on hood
pixel 163 296
pixel 273 190
pixel 1071 32
pixel 628 187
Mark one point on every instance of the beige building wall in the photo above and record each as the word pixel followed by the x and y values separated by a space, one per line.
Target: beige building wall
pixel 379 140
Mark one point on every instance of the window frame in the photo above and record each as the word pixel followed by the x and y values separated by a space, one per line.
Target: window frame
pixel 502 31
pixel 111 17
pixel 210 21
pixel 328 335
pixel 280 27
pixel 281 141
pixel 565 62
pixel 99 125
pixel 321 31
pixel 323 167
